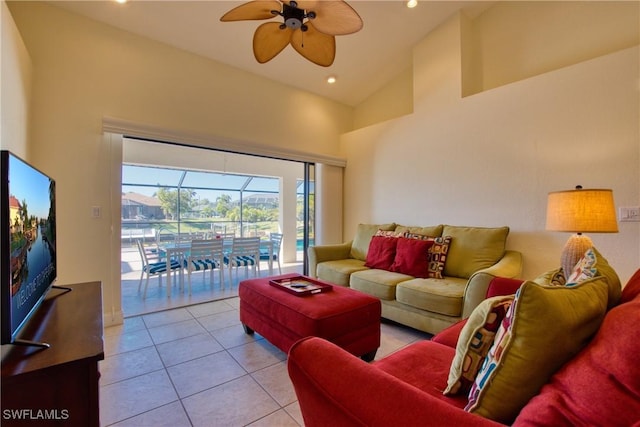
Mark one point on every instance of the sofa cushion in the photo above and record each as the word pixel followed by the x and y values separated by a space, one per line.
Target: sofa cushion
pixel 449 335
pixel 424 365
pixel 545 327
pixel 503 286
pixel 339 271
pixel 443 296
pixel 363 236
pixel 474 342
pixel 600 386
pixel 473 248
pixel 379 283
pixel 412 257
pixel 434 231
pixel 632 288
pixel 382 252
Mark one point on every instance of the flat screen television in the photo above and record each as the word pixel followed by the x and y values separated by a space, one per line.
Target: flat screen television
pixel 27 243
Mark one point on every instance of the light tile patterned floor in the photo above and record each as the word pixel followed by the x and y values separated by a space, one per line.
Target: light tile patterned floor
pixel 194 365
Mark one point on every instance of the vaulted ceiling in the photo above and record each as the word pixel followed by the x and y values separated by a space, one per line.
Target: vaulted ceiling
pixel 364 61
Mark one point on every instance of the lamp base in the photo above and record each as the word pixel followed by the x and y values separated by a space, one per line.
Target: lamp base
pixel 573 252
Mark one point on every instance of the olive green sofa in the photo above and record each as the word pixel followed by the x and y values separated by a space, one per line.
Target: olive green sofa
pixel 476 255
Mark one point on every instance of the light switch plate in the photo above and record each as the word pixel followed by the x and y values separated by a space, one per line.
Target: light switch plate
pixel 629 214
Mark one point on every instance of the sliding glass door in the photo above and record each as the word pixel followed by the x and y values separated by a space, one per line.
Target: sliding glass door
pixel 186 190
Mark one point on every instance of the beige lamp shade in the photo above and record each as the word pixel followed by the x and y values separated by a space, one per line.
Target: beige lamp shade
pixel 580 211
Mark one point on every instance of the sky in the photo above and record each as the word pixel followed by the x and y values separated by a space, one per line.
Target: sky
pixel 216 184
pixel 28 184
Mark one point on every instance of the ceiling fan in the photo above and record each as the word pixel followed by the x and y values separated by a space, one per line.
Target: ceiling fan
pixel 309 26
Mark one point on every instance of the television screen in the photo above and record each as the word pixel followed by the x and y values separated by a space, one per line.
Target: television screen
pixel 28 241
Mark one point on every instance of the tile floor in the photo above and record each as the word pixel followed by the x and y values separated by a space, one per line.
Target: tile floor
pixel 186 361
pixel 195 366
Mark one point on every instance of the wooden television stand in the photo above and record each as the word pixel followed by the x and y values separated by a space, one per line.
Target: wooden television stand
pixel 56 386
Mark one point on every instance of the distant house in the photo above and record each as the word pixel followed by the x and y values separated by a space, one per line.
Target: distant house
pixel 264 200
pixel 137 206
pixel 14 212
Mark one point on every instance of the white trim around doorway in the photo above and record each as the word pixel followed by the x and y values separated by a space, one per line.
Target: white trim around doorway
pixel 156 133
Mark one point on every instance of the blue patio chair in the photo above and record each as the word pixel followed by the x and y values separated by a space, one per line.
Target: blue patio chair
pixel 153 266
pixel 274 254
pixel 205 255
pixel 245 252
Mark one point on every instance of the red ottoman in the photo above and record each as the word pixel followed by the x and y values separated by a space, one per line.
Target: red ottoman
pixel 346 317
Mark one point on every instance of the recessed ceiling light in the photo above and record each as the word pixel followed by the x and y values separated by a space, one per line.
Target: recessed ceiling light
pixel 412 3
pixel 121 1
pixel 331 79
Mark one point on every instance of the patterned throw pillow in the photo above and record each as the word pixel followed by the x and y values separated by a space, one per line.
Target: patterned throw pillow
pixel 584 269
pixel 438 256
pixel 557 278
pixel 416 236
pixel 552 278
pixel 388 233
pixel 474 342
pixel 437 253
pixel 544 328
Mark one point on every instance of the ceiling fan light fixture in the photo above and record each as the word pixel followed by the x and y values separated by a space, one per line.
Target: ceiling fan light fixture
pixel 330 18
pixel 293 17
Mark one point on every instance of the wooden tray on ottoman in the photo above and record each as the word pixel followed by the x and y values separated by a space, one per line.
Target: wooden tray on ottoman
pixel 300 285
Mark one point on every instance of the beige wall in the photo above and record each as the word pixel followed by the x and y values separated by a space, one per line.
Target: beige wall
pixel 15 87
pixel 490 159
pixel 486 159
pixel 393 100
pixel 328 204
pixel 84 71
pixel 515 40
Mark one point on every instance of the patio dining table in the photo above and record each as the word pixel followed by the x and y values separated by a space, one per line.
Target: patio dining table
pixel 180 251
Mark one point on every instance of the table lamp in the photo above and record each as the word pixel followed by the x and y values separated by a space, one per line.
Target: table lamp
pixel 580 211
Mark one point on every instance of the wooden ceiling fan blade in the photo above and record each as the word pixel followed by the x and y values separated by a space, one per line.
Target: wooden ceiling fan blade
pixel 253 10
pixel 317 47
pixel 269 40
pixel 334 17
pixel 305 4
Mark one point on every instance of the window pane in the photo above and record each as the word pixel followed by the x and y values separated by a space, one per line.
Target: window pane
pixel 150 176
pixel 264 184
pixel 214 180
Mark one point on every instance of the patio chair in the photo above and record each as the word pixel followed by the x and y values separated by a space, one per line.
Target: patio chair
pixel 274 254
pixel 245 252
pixel 227 237
pixel 205 255
pixel 183 238
pixel 152 265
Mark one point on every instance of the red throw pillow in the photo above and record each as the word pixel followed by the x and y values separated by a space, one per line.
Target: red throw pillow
pixel 412 257
pixel 381 253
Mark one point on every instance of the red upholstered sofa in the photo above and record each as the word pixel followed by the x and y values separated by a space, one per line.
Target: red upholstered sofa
pixel 600 386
